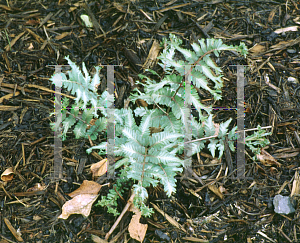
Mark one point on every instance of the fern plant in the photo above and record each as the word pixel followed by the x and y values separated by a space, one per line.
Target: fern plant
pixel 170 91
pixel 151 140
pixel 86 104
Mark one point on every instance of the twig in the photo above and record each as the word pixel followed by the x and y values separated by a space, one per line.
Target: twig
pixel 127 206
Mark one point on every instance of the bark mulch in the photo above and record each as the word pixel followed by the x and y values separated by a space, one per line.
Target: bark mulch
pixel 37 34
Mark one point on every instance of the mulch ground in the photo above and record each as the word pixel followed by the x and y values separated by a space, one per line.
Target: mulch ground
pixel 37 34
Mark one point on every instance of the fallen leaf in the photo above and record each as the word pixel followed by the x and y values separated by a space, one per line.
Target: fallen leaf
pixel 36 218
pixel 266 159
pixel 256 49
pixel 296 184
pixel 222 190
pixel 83 199
pixel 216 191
pixel 32 22
pixel 16 233
pixel 81 204
pixel 273 171
pixel 100 168
pixel 122 8
pixel 61 36
pixel 87 187
pixel 37 187
pixel 137 230
pixel 8 174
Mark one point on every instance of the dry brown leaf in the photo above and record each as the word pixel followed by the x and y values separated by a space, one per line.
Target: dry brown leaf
pixel 214 161
pixel 122 8
pixel 266 159
pixel 272 15
pixel 273 171
pixel 16 233
pixel 61 1
pixel 296 20
pixel 256 49
pixel 155 130
pixel 8 174
pixel 61 36
pixel 36 217
pixel 141 102
pixel 81 204
pixel 152 56
pixel 216 191
pixel 281 45
pixel 137 230
pixel 87 187
pixel 133 209
pixel 222 190
pixel 32 22
pixel 83 199
pixel 99 168
pixel 37 187
pixel 296 184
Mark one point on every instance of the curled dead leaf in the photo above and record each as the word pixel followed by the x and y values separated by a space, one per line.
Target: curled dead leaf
pixel 266 159
pixel 83 199
pixel 222 190
pixel 87 187
pixel 8 174
pixel 99 168
pixel 61 36
pixel 81 204
pixel 216 191
pixel 257 48
pixel 296 184
pixel 273 171
pixel 37 187
pixel 137 230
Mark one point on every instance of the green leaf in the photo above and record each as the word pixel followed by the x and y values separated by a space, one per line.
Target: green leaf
pixel 80 130
pixel 223 128
pixel 212 146
pixel 209 127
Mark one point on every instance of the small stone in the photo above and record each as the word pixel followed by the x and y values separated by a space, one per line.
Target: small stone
pixel 293 80
pixel 283 205
pixel 162 235
pixel 291 51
